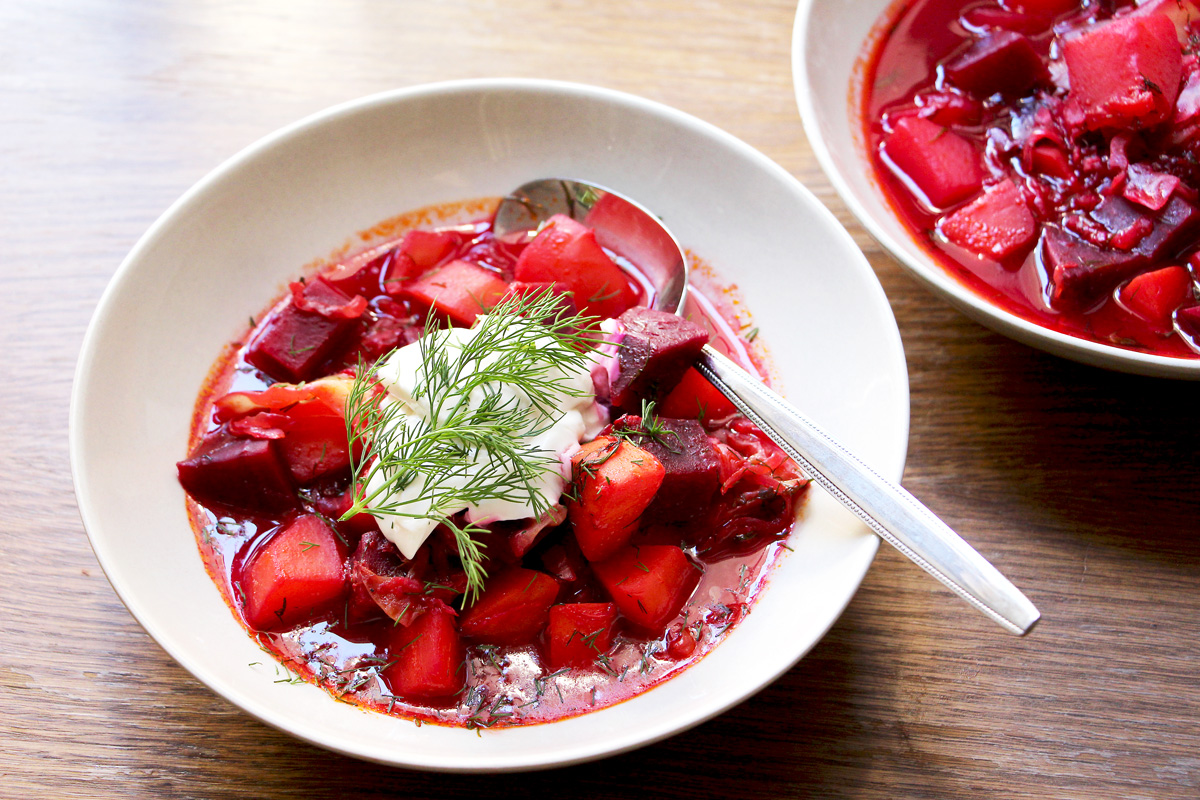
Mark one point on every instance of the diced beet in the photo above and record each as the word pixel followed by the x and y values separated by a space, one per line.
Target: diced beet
pixel 578 632
pixel 428 659
pixel 1124 72
pixel 996 224
pixel 1082 274
pixel 294 343
pixel 1003 61
pixel 657 350
pixel 300 570
pixel 692 471
pixel 649 584
pixel 460 290
pixel 696 398
pixel 943 166
pixel 246 473
pixel 614 482
pixel 512 608
pixel 1154 296
pixel 313 442
pixel 1167 232
pixel 566 252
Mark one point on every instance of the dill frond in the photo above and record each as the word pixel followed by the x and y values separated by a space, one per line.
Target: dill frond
pixel 466 436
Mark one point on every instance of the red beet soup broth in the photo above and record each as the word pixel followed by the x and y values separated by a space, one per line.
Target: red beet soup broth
pixel 1047 153
pixel 359 612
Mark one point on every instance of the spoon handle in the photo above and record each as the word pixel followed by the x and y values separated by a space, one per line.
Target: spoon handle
pixel 890 511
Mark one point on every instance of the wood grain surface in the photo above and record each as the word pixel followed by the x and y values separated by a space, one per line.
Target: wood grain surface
pixel 1079 483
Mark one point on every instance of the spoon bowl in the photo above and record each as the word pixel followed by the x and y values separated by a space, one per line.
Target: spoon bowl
pixel 636 234
pixel 621 225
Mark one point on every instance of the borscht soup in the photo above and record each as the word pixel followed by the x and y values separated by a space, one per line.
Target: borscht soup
pixel 1047 153
pixel 479 483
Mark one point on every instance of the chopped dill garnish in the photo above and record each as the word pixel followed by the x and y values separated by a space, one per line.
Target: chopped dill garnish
pixel 651 428
pixel 527 345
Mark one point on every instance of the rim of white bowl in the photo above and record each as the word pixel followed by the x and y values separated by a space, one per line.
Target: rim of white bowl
pixel 890 463
pixel 957 293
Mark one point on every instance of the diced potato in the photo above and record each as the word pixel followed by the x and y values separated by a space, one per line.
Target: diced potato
pixel 649 584
pixel 614 481
pixel 460 290
pixel 941 165
pixel 300 570
pixel 1155 295
pixel 1124 72
pixel 512 608
pixel 656 351
pixel 566 252
pixel 427 658
pixel 579 632
pixel 996 224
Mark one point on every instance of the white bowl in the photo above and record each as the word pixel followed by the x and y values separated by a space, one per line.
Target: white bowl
pixel 827 44
pixel 230 244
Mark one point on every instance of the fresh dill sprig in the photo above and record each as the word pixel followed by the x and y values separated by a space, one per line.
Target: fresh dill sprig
pixel 651 428
pixel 481 402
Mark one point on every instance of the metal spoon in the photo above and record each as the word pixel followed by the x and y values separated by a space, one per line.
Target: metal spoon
pixel 899 518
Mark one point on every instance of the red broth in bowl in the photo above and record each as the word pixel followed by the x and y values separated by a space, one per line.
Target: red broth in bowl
pixel 667 519
pixel 1047 153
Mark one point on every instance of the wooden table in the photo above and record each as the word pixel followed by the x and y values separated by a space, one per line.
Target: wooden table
pixel 1080 484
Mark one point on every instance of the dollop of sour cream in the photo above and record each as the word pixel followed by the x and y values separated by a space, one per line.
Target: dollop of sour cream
pixel 575 418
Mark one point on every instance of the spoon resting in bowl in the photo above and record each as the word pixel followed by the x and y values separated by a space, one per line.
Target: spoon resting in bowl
pixel 886 508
